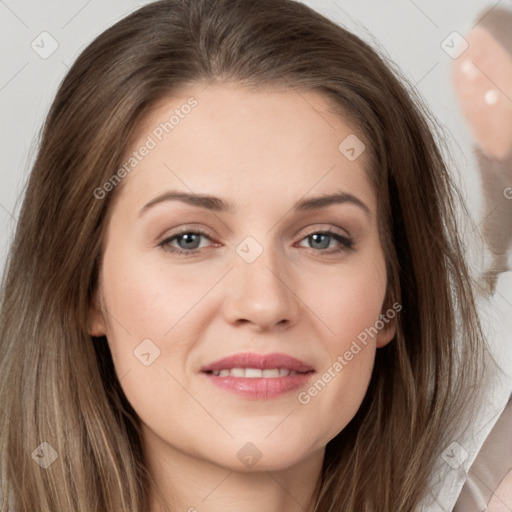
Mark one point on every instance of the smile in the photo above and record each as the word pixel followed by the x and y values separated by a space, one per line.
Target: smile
pixel 255 373
pixel 258 376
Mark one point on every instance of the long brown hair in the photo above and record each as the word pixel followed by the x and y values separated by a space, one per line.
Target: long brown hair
pixel 58 384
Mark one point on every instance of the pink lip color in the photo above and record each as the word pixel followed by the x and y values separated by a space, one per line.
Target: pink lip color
pixel 259 387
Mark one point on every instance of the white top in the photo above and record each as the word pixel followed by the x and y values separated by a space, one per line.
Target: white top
pixel 456 461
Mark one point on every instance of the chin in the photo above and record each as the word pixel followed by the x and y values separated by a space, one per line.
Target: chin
pixel 254 454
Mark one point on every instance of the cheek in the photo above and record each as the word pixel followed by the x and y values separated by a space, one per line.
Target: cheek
pixel 156 315
pixel 146 299
pixel 350 300
pixel 351 309
pixel 148 310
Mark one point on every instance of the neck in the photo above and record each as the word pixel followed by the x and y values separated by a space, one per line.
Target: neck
pixel 192 484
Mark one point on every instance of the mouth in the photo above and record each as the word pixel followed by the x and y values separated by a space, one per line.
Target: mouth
pixel 258 376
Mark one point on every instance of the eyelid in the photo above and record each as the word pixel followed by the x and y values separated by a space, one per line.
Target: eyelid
pixel 302 233
pixel 186 228
pixel 317 227
pixel 199 232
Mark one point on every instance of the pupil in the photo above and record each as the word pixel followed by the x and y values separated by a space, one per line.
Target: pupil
pixel 322 245
pixel 189 240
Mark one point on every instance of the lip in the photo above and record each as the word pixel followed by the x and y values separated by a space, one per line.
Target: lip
pixel 260 361
pixel 259 388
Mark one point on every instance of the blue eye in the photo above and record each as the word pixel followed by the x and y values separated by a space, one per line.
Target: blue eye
pixel 188 243
pixel 322 239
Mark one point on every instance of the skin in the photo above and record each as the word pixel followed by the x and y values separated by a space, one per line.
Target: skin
pixel 501 500
pixel 261 151
pixel 482 77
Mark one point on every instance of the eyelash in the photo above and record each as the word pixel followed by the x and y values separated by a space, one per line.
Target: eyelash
pixel 347 244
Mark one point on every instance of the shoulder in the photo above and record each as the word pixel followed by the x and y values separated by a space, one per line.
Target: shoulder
pixel 488 485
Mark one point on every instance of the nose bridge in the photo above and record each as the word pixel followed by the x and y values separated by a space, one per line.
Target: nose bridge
pixel 260 269
pixel 261 285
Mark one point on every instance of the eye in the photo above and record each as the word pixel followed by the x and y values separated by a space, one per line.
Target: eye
pixel 188 242
pixel 322 241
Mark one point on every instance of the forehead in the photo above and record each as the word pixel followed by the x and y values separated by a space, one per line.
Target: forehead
pixel 226 138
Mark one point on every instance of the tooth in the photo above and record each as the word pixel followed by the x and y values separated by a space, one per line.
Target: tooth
pixel 237 372
pixel 253 373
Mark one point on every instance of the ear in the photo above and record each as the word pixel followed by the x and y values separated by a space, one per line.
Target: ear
pixel 388 330
pixel 96 321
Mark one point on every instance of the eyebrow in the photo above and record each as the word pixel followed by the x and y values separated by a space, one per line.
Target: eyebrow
pixel 217 204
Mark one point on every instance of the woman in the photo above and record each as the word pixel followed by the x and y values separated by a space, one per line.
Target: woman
pixel 262 368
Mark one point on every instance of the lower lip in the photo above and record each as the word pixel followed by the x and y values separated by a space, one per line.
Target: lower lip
pixel 260 387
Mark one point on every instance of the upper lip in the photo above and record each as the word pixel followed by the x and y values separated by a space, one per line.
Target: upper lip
pixel 260 361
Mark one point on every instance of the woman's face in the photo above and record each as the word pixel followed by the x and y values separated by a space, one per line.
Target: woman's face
pixel 242 334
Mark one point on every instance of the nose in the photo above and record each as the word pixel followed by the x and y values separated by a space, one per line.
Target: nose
pixel 261 293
